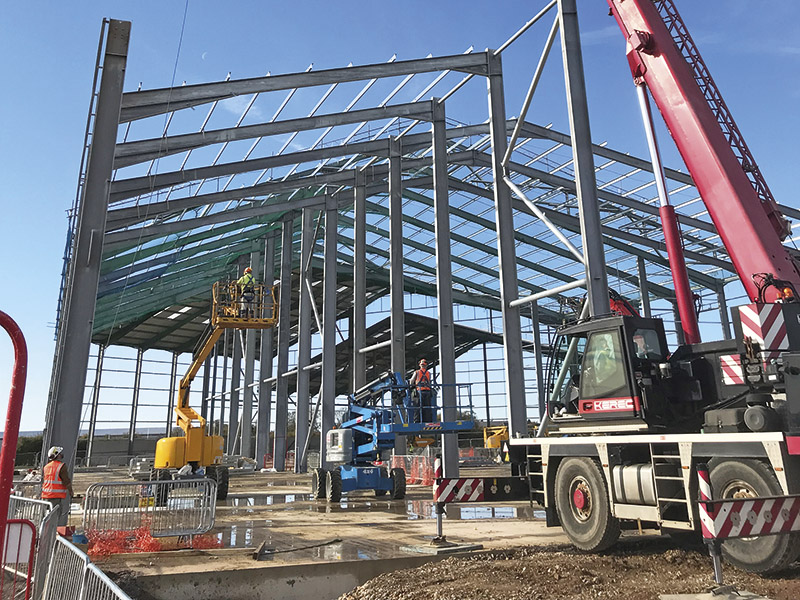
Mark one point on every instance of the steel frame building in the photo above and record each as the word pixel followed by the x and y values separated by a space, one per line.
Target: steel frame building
pixel 377 189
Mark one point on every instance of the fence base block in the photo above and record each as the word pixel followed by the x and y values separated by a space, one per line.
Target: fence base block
pixel 448 548
pixel 722 593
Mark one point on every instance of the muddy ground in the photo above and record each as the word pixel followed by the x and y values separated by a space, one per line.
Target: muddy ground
pixel 639 570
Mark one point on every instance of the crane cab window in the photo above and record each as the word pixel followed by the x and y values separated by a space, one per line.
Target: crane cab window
pixel 603 373
pixel 646 344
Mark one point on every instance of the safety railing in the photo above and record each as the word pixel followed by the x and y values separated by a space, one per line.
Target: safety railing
pixel 414 409
pixel 27 489
pixel 72 576
pixel 48 530
pixel 258 302
pixel 18 560
pixel 164 508
pixel 28 508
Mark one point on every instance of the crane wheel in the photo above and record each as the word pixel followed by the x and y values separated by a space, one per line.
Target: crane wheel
pixel 749 479
pixel 333 485
pixel 581 499
pixel 398 477
pixel 318 483
pixel 161 491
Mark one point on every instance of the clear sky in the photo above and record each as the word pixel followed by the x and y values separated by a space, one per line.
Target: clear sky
pixel 47 52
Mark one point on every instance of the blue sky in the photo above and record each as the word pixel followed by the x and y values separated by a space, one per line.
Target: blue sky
pixel 48 52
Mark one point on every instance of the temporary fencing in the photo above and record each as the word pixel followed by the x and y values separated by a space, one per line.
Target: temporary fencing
pixel 72 576
pixel 164 508
pixel 48 530
pixel 18 558
pixel 418 468
pixel 28 508
pixel 27 489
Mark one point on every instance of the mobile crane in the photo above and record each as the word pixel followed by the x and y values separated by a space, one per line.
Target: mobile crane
pixel 196 448
pixel 622 434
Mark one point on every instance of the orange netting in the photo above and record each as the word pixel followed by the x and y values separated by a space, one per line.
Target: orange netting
pixel 106 543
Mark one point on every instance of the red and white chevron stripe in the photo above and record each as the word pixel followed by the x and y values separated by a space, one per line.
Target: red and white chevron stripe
pixel 747 517
pixel 764 324
pixel 459 490
pixel 731 366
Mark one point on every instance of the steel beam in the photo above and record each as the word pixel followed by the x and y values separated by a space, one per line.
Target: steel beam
pixel 396 300
pixel 265 368
pixel 506 256
pixel 328 386
pixel 249 371
pixel 137 385
pixel 583 159
pixel 98 375
pixel 173 378
pixel 304 327
pixel 724 319
pixel 359 331
pixel 62 423
pixel 236 378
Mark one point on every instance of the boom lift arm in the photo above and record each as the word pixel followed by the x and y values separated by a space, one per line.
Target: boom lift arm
pixel 661 54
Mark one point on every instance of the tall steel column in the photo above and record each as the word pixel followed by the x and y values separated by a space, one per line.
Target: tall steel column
pixel 328 386
pixel 173 375
pixel 213 397
pixel 678 324
pixel 71 359
pixel 236 378
pixel 98 375
pixel 265 367
pixel 724 318
pixel 396 307
pixel 284 327
pixel 137 384
pixel 226 337
pixel 359 331
pixel 541 396
pixel 249 371
pixel 444 288
pixel 583 159
pixel 644 292
pixel 506 255
pixel 206 386
pixel 305 320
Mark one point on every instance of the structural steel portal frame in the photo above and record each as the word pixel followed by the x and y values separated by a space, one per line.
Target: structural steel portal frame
pixel 170 200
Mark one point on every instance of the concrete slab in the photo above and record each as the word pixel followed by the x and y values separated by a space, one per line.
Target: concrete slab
pixel 442 549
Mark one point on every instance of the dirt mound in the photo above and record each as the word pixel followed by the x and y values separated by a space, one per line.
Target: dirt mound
pixel 639 570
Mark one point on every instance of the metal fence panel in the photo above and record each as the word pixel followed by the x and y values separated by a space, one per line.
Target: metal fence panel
pixel 66 572
pixel 165 508
pixel 98 586
pixel 44 551
pixel 18 556
pixel 28 508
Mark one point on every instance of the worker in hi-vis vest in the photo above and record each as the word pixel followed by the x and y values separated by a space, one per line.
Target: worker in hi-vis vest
pixel 421 380
pixel 247 291
pixel 56 484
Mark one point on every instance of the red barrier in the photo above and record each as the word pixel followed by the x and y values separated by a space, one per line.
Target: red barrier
pixel 13 415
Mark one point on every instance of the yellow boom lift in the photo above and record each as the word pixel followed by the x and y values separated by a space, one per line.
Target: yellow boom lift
pixel 231 309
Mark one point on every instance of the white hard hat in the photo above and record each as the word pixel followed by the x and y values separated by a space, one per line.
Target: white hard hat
pixel 55 451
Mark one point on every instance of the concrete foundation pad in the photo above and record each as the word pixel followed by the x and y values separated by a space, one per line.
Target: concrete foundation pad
pixel 443 549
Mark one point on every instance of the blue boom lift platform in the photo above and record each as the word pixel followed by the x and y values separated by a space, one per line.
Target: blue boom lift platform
pixel 358 447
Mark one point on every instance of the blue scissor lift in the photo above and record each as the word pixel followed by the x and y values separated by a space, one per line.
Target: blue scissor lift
pixel 367 435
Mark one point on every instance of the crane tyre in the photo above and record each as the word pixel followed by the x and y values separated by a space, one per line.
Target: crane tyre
pixel 333 485
pixel 223 482
pixel 318 483
pixel 748 479
pixel 161 492
pixel 398 477
pixel 581 499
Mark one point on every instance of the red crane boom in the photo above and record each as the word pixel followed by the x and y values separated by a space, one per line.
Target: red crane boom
pixel 661 53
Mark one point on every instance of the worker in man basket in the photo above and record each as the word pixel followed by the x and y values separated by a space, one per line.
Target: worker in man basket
pixel 56 483
pixel 247 293
pixel 421 381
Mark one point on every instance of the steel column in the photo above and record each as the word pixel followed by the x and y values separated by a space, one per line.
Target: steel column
pixel 583 159
pixel 444 288
pixel 173 376
pixel 226 336
pixel 249 372
pixel 213 397
pixel 62 425
pixel 206 386
pixel 541 396
pixel 506 255
pixel 396 307
pixel 137 383
pixel 98 374
pixel 305 323
pixel 359 331
pixel 236 378
pixel 328 385
pixel 265 367
pixel 678 324
pixel 486 384
pixel 724 317
pixel 643 288
pixel 284 327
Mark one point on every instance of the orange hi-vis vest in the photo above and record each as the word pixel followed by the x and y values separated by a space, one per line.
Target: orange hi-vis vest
pixel 52 486
pixel 423 380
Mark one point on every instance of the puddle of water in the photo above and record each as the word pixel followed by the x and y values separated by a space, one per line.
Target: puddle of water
pixel 265 499
pixel 425 509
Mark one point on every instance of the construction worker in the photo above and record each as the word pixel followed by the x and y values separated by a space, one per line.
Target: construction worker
pixel 56 483
pixel 421 381
pixel 247 291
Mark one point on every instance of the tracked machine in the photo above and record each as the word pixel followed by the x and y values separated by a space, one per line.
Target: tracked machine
pixel 629 418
